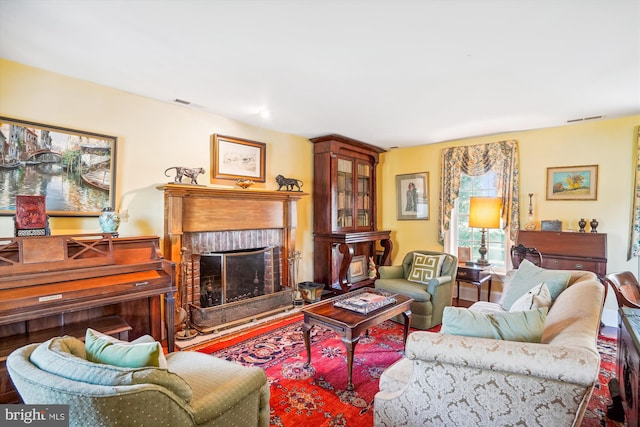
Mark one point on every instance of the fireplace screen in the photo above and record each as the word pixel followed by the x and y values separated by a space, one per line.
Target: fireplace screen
pixel 237 275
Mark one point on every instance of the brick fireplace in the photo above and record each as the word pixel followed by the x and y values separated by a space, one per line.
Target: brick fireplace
pixel 200 221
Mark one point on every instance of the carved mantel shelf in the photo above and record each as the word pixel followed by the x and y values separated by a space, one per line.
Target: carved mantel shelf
pixel 196 208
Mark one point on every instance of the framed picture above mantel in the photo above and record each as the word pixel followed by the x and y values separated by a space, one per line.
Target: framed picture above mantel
pixel 236 158
pixel 74 169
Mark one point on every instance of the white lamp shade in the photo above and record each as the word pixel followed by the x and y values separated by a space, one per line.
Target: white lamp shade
pixel 484 212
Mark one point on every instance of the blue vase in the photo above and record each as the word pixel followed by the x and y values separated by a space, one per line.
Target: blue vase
pixel 109 221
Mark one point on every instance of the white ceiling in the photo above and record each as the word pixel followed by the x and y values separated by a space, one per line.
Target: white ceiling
pixel 391 73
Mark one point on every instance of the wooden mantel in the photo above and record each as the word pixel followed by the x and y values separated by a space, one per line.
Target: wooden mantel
pixel 193 209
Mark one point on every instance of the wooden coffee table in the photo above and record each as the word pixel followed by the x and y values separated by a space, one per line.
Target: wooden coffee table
pixel 350 324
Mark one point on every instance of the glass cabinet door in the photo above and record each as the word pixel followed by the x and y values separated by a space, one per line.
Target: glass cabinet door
pixel 364 194
pixel 344 202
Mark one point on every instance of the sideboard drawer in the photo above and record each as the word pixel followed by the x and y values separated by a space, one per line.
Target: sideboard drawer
pixel 569 264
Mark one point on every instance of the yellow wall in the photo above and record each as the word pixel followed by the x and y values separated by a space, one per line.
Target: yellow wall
pixel 152 136
pixel 606 143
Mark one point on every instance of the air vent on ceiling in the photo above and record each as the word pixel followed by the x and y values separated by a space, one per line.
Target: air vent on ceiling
pixel 582 119
pixel 182 101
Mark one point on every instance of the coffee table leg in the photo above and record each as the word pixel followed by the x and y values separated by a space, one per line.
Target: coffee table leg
pixel 306 329
pixel 407 323
pixel 350 344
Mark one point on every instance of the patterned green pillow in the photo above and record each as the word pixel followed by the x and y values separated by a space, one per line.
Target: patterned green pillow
pixel 425 267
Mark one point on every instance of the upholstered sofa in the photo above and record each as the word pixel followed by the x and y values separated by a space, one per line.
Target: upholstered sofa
pixel 430 294
pixel 469 381
pixel 194 389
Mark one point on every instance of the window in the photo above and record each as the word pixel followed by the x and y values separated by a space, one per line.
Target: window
pixel 482 185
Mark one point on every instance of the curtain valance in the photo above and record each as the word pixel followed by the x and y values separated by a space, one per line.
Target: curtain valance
pixel 475 160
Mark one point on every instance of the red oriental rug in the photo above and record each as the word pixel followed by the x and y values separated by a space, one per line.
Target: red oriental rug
pixel 317 396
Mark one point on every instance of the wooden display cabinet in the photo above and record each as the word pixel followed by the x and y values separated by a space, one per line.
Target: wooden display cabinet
pixel 344 208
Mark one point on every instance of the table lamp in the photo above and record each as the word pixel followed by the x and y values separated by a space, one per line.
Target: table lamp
pixel 484 212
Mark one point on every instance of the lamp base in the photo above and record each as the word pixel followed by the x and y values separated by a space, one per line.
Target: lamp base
pixel 482 261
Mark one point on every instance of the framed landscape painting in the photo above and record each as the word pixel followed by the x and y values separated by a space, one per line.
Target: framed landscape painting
pixel 74 170
pixel 412 196
pixel 235 158
pixel 572 183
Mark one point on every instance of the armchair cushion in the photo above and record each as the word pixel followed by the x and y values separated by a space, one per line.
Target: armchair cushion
pixel 66 357
pixel 524 326
pixel 101 348
pixel 529 275
pixel 425 267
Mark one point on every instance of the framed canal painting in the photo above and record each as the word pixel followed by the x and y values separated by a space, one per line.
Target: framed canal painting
pixel 74 170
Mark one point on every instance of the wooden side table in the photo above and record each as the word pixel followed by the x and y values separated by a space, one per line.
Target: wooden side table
pixel 474 274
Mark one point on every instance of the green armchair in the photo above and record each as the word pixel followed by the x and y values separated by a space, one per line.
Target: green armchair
pixel 195 389
pixel 429 297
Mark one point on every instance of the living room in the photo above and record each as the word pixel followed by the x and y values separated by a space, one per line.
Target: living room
pixel 154 135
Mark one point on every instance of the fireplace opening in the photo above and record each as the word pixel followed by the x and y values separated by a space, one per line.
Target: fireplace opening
pixel 237 275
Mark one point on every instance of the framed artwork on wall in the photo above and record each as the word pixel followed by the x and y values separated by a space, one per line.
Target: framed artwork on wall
pixel 572 183
pixel 235 158
pixel 412 196
pixel 74 170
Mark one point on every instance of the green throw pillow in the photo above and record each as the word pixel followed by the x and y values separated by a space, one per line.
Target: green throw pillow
pixel 425 267
pixel 529 275
pixel 125 355
pixel 524 326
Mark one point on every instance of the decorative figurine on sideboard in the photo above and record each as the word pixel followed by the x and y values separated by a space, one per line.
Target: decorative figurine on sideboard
pixel 582 224
pixel 288 183
pixel 188 172
pixel 594 225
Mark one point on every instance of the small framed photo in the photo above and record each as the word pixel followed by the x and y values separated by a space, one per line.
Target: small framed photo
pixel 235 158
pixel 412 194
pixel 572 183
pixel 358 269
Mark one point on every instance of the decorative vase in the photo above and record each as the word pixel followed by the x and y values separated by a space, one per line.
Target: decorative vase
pixel 109 221
pixel 594 225
pixel 582 223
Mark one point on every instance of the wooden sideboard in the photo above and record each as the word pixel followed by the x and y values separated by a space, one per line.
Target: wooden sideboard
pixel 568 250
pixel 60 285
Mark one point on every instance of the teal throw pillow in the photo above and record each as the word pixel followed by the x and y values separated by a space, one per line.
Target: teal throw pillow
pixel 110 351
pixel 524 326
pixel 425 267
pixel 529 275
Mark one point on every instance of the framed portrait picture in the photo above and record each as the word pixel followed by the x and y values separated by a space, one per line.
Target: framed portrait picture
pixel 235 158
pixel 412 194
pixel 74 170
pixel 572 183
pixel 358 269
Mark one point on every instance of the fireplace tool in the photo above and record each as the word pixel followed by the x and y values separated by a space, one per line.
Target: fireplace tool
pixel 294 266
pixel 182 311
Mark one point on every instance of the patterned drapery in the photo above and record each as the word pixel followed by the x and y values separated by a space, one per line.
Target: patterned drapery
pixel 634 238
pixel 500 157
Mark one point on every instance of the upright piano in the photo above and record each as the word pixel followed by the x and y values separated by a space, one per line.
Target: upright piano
pixel 60 285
